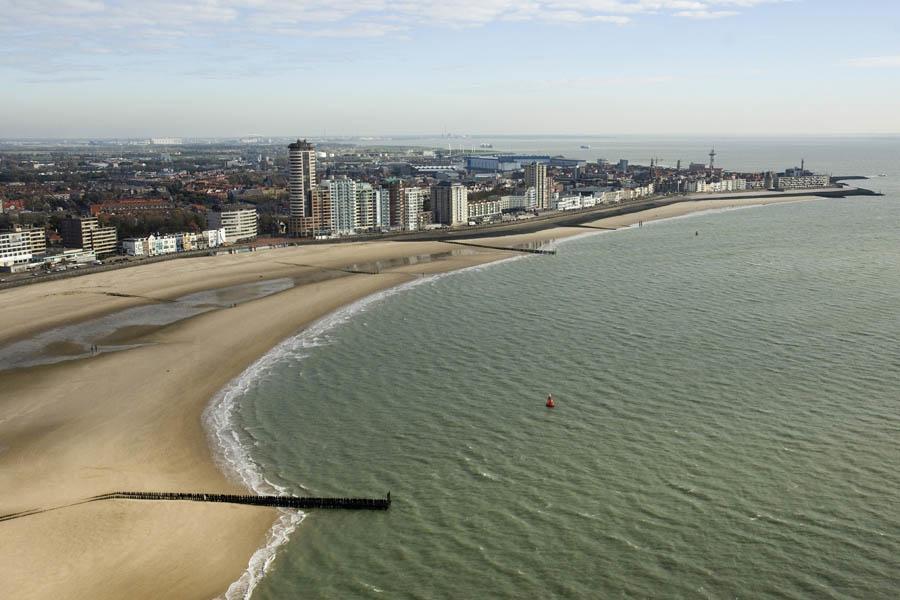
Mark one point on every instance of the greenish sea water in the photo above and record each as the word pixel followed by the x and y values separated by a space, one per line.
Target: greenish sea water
pixel 727 421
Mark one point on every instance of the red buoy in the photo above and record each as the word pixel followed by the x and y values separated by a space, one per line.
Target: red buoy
pixel 550 402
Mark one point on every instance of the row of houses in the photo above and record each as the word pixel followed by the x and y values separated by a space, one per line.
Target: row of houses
pixel 156 245
pixel 604 197
pixel 228 225
pixel 492 208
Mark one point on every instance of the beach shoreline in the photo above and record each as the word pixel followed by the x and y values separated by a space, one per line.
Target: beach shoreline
pixel 132 420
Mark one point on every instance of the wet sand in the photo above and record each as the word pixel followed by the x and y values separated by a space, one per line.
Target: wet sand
pixel 131 420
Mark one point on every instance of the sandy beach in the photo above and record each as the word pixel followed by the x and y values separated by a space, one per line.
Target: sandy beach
pixel 131 420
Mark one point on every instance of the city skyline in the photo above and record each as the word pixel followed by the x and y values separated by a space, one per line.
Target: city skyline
pixel 97 68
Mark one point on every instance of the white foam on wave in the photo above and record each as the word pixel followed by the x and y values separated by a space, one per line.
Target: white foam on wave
pixel 556 242
pixel 232 454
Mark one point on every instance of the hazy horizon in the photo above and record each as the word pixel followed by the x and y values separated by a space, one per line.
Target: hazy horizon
pixel 460 135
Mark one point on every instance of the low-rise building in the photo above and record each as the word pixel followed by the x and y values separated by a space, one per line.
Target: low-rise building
pixel 162 244
pixel 135 247
pixel 800 182
pixel 569 203
pixel 511 203
pixel 484 209
pixel 177 242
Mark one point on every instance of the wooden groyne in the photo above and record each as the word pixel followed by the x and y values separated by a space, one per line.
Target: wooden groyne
pixel 271 501
pixel 510 248
pixel 583 226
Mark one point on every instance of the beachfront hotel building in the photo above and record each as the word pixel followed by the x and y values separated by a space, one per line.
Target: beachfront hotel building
pixel 301 183
pixel 449 204
pixel 238 221
pixel 87 234
pixel 14 249
pixel 35 237
pixel 536 177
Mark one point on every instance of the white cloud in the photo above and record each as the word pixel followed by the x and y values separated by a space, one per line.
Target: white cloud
pixel 334 15
pixel 873 62
pixel 705 14
pixel 87 30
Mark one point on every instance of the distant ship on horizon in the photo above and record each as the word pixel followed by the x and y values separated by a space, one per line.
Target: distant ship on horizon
pixel 585 147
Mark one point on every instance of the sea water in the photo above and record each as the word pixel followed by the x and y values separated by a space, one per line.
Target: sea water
pixel 727 420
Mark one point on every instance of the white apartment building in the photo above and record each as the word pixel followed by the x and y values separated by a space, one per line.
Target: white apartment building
pixel 716 187
pixel 569 203
pixel 162 244
pixel 152 245
pixel 214 237
pixel 14 249
pixel 800 182
pixel 413 201
pixel 344 205
pixel 483 209
pixel 35 236
pixel 239 222
pixel 372 208
pixel 512 202
pixel 383 209
pixel 610 197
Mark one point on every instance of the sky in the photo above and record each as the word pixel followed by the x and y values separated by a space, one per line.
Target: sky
pixel 154 68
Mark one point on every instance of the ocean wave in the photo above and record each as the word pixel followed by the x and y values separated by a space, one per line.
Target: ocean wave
pixel 232 454
pixel 554 243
